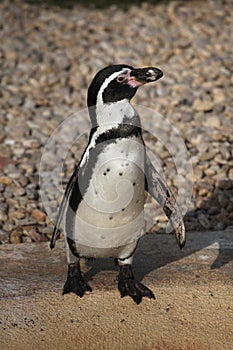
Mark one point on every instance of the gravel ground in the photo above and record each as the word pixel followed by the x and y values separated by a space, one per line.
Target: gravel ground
pixel 48 56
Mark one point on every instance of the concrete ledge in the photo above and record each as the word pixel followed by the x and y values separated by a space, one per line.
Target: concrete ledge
pixel 193 310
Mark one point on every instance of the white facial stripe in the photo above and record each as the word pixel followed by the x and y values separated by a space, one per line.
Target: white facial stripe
pixel 105 84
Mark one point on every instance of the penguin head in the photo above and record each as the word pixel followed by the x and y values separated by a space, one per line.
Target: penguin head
pixel 118 82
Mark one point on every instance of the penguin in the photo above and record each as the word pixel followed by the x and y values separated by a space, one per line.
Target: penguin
pixel 103 203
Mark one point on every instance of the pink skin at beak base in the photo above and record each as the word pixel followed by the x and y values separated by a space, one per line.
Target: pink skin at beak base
pixel 134 83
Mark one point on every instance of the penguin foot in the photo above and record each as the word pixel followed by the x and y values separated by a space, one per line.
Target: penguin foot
pixel 75 282
pixel 127 285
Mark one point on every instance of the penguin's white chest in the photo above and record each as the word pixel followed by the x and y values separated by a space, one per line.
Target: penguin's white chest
pixel 111 212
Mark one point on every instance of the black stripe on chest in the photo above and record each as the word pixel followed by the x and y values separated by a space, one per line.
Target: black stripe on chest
pixel 85 174
pixel 86 171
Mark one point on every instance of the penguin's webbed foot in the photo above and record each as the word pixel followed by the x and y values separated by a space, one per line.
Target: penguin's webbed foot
pixel 75 282
pixel 127 285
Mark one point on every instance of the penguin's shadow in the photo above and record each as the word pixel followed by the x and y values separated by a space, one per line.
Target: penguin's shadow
pixel 157 250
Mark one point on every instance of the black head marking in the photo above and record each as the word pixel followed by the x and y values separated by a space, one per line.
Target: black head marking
pixel 99 79
pixel 115 91
pixel 116 83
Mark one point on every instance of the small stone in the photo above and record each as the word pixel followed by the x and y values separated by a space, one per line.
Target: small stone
pixel 12 202
pixel 23 180
pixel 220 160
pixel 219 108
pixel 214 210
pixel 213 122
pixel 219 96
pixel 18 191
pixel 203 105
pixel 3 216
pixel 32 194
pixel 27 221
pixel 223 200
pixel 208 154
pixel 209 172
pixel 29 104
pixel 2 135
pixel 38 215
pixel 15 175
pixel 16 100
pixel 230 174
pixel 32 143
pixel 18 214
pixel 230 207
pixel 26 239
pixel 18 151
pixel 2 188
pixel 196 140
pixel 5 180
pixel 220 226
pixel 225 152
pixel 225 184
pixel 4 237
pixel 9 142
pixel 204 221
pixel 35 236
pixel 29 168
pixel 16 236
pixel 203 187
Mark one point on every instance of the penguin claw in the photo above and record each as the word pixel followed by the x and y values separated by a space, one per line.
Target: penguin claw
pixel 127 285
pixel 77 286
pixel 75 282
pixel 135 290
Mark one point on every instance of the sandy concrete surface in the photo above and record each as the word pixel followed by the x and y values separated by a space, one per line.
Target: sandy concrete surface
pixel 193 309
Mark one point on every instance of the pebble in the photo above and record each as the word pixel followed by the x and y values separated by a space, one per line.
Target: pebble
pixel 214 210
pixel 38 215
pixel 230 174
pixel 5 180
pixel 225 184
pixel 35 236
pixel 18 214
pixel 223 200
pixel 44 80
pixel 204 221
pixel 203 105
pixel 213 122
pixel 2 188
pixel 4 237
pixel 16 236
pixel 32 143
pixel 220 226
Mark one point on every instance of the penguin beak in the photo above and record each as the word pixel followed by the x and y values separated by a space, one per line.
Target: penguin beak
pixel 146 75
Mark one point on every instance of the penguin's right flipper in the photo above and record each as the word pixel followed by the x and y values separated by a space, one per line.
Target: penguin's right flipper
pixel 159 190
pixel 63 205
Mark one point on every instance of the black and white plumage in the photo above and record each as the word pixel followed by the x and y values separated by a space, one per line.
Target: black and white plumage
pixel 102 208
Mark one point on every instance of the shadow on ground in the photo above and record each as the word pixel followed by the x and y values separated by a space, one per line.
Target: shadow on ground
pixel 26 268
pixel 158 250
pixel 94 3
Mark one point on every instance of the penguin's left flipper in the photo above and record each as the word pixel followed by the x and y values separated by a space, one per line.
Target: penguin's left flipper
pixel 127 285
pixel 63 205
pixel 159 190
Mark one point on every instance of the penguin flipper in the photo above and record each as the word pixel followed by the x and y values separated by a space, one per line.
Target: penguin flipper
pixel 63 205
pixel 159 190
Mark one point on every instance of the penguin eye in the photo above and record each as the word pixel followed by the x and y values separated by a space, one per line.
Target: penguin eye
pixel 120 79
